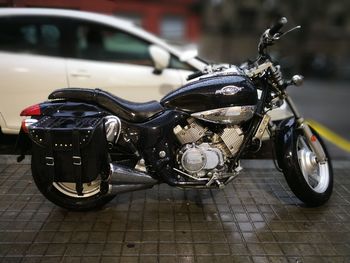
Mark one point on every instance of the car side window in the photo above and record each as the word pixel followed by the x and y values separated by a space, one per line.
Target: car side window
pixel 107 44
pixel 30 35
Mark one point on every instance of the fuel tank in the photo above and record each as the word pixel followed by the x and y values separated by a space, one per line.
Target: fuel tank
pixel 213 92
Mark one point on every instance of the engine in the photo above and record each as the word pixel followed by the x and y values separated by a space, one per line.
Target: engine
pixel 204 152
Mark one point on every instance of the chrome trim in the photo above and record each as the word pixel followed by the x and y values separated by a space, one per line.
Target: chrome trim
pixel 124 179
pixel 313 142
pixel 69 189
pixel 255 71
pixel 298 80
pixel 316 174
pixel 228 115
pixel 190 176
pixel 122 175
pixel 113 128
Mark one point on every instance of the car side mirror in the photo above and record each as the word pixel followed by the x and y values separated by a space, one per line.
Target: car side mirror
pixel 160 57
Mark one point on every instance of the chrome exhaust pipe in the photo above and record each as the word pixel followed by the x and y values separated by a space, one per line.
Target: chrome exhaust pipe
pixel 123 179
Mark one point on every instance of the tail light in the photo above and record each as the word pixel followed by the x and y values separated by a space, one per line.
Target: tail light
pixel 33 110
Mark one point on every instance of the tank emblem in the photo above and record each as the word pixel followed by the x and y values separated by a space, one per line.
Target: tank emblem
pixel 229 90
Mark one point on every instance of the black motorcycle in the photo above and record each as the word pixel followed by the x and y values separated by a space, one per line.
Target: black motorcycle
pixel 89 145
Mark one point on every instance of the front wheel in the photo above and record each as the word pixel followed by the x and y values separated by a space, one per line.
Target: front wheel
pixel 310 180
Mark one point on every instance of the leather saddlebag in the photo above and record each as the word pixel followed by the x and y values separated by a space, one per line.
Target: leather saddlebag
pixel 70 149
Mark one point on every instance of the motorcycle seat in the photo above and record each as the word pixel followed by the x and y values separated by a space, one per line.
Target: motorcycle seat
pixel 127 110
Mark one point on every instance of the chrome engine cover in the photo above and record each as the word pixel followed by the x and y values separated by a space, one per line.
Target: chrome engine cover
pixel 204 152
pixel 197 160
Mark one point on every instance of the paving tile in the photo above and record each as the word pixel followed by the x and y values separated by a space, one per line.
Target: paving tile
pixel 255 219
pixel 149 249
pixel 75 249
pixel 90 259
pixel 130 249
pixel 36 250
pixel 203 249
pixel 110 259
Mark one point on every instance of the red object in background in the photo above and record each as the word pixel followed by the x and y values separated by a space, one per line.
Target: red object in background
pixel 151 14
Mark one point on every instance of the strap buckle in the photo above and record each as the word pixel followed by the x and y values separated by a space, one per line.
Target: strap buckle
pixel 77 160
pixel 50 161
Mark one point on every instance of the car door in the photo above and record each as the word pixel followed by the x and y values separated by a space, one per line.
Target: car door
pixel 30 65
pixel 108 58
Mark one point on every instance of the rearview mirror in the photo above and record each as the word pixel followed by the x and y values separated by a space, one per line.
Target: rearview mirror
pixel 160 57
pixel 189 54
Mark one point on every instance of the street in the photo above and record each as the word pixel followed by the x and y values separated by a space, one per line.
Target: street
pixel 256 218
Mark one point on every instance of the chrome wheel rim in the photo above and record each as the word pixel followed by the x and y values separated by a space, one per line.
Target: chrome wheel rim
pixel 315 174
pixel 89 189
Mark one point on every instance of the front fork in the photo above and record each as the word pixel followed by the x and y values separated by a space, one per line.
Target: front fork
pixel 311 138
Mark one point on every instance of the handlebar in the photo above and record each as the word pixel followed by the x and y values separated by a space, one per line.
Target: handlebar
pixel 269 36
pixel 277 26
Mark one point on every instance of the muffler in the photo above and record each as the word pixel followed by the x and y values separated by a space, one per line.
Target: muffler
pixel 123 179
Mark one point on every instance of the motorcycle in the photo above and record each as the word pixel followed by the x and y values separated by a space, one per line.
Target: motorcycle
pixel 89 145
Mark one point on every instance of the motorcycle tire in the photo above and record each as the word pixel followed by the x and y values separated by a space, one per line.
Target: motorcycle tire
pixel 65 196
pixel 310 181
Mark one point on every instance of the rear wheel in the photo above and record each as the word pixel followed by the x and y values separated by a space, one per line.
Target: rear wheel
pixel 310 180
pixel 65 195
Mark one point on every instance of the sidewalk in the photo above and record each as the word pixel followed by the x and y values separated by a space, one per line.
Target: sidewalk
pixel 256 218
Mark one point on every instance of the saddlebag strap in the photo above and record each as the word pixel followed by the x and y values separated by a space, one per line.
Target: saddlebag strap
pixel 76 159
pixel 49 159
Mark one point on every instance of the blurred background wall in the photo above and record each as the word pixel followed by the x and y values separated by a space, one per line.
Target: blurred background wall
pixel 320 49
pixel 228 30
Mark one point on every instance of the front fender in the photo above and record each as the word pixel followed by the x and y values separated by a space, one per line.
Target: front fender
pixel 284 136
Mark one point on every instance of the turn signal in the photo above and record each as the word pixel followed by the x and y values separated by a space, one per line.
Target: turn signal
pixel 298 80
pixel 26 123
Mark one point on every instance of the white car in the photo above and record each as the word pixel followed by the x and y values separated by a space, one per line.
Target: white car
pixel 46 49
